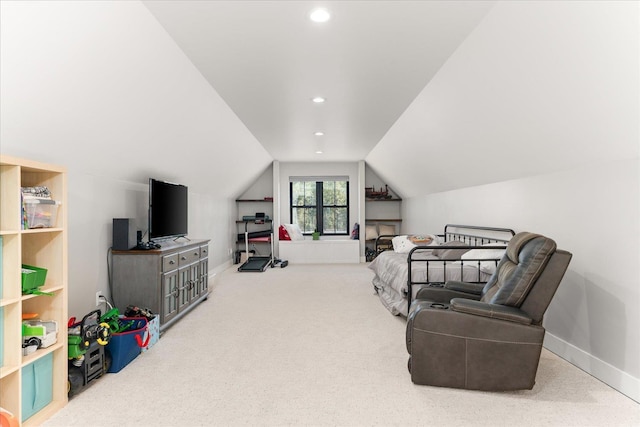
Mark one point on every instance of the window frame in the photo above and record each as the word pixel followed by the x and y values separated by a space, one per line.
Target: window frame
pixel 319 205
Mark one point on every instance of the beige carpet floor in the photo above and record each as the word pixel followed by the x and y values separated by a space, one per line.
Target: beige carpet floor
pixel 312 345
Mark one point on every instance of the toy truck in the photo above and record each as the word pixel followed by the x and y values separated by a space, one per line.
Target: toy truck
pixel 87 358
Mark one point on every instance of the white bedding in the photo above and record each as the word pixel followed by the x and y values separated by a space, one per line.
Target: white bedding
pixel 391 268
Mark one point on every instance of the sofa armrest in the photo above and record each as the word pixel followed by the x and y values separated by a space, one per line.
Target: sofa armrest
pixel 441 294
pixel 470 288
pixel 494 311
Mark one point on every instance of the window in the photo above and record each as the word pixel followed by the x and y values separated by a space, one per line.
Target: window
pixel 320 204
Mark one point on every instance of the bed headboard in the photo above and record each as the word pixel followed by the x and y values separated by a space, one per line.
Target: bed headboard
pixel 475 235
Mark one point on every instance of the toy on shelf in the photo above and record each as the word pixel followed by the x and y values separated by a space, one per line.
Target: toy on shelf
pixel 372 193
pixel 38 334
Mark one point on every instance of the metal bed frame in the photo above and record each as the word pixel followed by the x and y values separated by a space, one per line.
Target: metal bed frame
pixel 469 239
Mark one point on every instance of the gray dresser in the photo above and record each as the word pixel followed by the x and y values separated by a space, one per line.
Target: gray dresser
pixel 169 281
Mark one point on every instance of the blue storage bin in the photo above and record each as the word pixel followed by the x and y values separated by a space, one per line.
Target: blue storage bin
pixel 37 385
pixel 0 267
pixel 1 337
pixel 126 346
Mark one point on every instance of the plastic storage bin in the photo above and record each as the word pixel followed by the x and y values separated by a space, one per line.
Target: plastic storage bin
pixel 37 385
pixel 126 346
pixel 40 213
pixel 32 278
pixel 2 336
pixel 153 332
pixel 0 267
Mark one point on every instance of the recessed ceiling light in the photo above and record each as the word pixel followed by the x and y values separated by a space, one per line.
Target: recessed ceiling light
pixel 319 133
pixel 318 100
pixel 320 15
pixel 318 152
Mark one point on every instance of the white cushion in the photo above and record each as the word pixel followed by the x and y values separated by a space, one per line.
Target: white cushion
pixel 485 266
pixel 402 245
pixel 294 231
pixel 370 232
pixel 386 230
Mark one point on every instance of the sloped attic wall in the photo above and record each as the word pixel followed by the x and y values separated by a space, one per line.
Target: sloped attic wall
pixel 525 94
pixel 533 124
pixel 100 88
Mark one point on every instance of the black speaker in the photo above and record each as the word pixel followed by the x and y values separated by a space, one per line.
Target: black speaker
pixel 124 234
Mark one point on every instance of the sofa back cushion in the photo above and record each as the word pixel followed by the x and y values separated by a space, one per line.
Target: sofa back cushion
pixel 526 257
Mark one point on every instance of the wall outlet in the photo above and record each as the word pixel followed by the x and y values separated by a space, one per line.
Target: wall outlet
pixel 98 298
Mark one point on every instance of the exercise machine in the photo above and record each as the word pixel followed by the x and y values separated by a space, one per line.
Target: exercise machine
pixel 255 264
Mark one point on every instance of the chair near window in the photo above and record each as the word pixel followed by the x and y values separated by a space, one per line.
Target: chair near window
pixel 487 337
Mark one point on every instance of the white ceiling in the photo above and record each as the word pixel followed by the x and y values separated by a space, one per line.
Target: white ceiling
pixel 267 60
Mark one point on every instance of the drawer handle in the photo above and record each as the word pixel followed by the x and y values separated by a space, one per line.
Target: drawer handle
pixel 172 262
pixel 183 258
pixel 196 253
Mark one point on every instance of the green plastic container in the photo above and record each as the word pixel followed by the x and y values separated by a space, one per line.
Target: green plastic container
pixel 32 278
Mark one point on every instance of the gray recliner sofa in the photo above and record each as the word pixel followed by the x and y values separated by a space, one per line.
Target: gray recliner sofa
pixel 487 337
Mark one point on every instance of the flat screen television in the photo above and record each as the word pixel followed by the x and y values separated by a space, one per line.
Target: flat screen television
pixel 167 210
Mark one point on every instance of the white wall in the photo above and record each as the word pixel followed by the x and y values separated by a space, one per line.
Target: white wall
pixel 538 87
pixel 533 125
pixel 99 87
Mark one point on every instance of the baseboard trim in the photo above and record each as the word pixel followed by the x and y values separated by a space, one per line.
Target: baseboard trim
pixel 218 269
pixel 608 374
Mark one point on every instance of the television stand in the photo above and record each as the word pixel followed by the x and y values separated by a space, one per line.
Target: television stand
pixel 182 237
pixel 169 281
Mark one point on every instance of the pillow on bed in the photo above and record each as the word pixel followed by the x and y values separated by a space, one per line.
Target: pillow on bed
pixel 403 244
pixel 450 253
pixel 488 267
pixel 370 232
pixel 294 231
pixel 387 230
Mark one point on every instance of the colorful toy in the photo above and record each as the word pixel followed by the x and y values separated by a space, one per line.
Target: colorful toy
pixel 87 358
pixel 38 334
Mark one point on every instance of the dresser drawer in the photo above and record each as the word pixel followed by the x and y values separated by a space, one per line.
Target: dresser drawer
pixel 169 262
pixel 204 251
pixel 189 256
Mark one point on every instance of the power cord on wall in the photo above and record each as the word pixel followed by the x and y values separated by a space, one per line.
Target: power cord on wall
pixel 109 278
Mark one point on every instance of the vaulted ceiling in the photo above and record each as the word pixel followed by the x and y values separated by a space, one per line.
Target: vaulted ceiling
pixel 267 60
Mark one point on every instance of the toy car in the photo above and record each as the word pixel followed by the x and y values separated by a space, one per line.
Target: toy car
pixel 87 358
